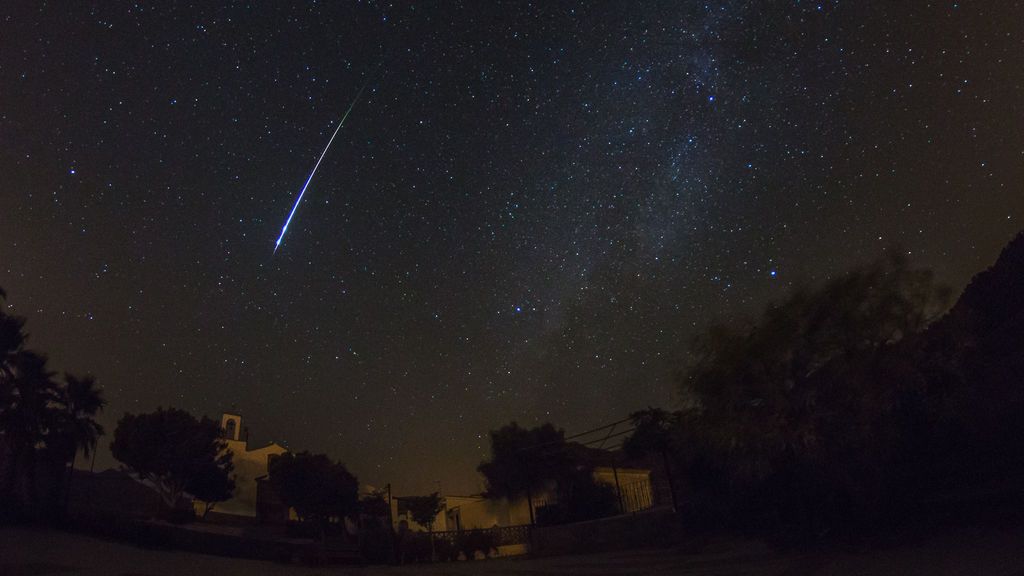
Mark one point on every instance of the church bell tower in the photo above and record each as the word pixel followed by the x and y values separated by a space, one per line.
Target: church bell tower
pixel 231 426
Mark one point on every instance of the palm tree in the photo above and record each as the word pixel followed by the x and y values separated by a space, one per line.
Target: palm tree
pixel 26 419
pixel 80 399
pixel 41 420
pixel 12 338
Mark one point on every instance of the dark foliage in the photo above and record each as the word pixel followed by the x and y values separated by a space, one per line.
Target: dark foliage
pixel 656 433
pixel 844 407
pixel 172 450
pixel 414 547
pixel 318 488
pixel 580 498
pixel 376 542
pixel 424 509
pixel 374 504
pixel 447 547
pixel 470 542
pixel 211 485
pixel 525 461
pixel 44 423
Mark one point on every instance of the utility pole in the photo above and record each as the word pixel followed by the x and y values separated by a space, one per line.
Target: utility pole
pixel 618 489
pixel 391 528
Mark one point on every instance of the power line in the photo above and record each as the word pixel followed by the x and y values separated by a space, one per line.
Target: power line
pixel 591 431
pixel 610 435
pixel 580 435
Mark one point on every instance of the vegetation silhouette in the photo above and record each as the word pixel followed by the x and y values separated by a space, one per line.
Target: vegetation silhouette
pixel 861 403
pixel 174 451
pixel 853 405
pixel 211 485
pixel 524 461
pixel 44 423
pixel 530 461
pixel 424 510
pixel 318 488
pixel 654 434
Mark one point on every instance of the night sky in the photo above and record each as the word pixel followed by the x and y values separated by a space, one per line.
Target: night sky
pixel 529 213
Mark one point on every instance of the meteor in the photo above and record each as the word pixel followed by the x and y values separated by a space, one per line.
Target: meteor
pixel 310 179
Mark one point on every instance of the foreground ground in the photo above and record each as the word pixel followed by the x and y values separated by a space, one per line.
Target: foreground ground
pixel 991 552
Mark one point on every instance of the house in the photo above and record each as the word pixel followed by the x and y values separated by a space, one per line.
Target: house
pixel 250 466
pixel 631 480
pixel 466 513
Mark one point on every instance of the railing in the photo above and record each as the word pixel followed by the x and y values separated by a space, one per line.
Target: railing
pixel 501 535
pixel 636 496
pixel 507 535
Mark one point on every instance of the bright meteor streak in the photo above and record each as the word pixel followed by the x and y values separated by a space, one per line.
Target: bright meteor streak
pixel 310 179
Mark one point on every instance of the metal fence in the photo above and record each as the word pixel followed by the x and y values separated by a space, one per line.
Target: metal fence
pixel 636 496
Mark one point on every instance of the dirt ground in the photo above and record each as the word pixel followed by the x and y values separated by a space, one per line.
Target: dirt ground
pixel 987 552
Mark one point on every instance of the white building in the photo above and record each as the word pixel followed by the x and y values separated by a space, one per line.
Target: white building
pixel 250 464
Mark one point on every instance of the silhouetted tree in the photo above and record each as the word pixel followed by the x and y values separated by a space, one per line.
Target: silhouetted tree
pixel 788 406
pixel 315 486
pixel 43 422
pixel 581 497
pixel 26 422
pixel 424 510
pixel 524 461
pixel 171 449
pixel 654 431
pixel 374 504
pixel 12 339
pixel 212 485
pixel 79 401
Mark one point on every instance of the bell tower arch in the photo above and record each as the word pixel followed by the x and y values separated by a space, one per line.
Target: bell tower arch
pixel 231 426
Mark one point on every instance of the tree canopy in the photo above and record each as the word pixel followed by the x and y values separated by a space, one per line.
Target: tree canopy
pixel 173 450
pixel 317 487
pixel 211 485
pixel 424 509
pixel 759 389
pixel 524 460
pixel 802 416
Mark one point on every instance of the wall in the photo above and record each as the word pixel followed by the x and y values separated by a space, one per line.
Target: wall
pixel 650 528
pixel 474 512
pixel 249 465
pixel 479 512
pixel 634 484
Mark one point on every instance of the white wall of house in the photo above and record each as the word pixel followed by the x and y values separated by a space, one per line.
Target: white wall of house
pixel 249 465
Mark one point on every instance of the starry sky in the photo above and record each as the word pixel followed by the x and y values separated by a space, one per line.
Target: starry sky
pixel 528 215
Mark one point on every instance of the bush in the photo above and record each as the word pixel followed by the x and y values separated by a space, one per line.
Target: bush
pixel 414 547
pixel 472 541
pixel 376 543
pixel 445 549
pixel 311 530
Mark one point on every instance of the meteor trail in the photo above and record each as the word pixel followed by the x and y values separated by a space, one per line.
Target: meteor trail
pixel 308 180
